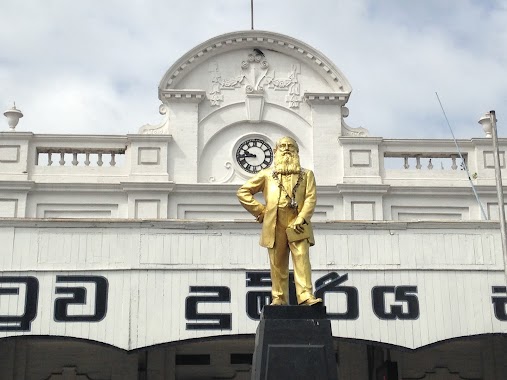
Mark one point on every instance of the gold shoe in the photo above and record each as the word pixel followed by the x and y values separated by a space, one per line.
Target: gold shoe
pixel 311 301
pixel 278 303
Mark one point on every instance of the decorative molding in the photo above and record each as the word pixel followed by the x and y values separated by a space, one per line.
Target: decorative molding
pixel 254 76
pixel 353 132
pixel 159 129
pixel 326 98
pixel 9 153
pixel 230 173
pixel 256 68
pixel 218 84
pixel 353 188
pixel 235 225
pixel 148 186
pixel 254 107
pixel 489 159
pixel 148 156
pixel 289 84
pixel 191 96
pixel 18 186
pixel 254 39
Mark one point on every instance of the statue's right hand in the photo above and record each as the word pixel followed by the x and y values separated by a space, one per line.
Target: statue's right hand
pixel 260 217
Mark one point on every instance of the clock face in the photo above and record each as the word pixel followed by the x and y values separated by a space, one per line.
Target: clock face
pixel 254 154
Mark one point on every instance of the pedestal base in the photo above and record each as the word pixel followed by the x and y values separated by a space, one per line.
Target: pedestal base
pixel 294 342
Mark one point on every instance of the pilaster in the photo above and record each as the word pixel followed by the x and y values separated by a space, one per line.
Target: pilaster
pixel 326 122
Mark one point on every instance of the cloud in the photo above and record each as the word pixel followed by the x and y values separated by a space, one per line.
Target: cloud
pixel 94 67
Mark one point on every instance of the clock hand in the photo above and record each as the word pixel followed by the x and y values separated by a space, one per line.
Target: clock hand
pixel 247 154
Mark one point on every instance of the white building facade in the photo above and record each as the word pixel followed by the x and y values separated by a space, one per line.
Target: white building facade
pixel 129 257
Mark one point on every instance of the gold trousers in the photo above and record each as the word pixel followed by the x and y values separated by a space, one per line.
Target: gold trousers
pixel 279 261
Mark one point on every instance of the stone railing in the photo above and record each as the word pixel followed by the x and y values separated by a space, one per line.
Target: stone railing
pixel 82 158
pixel 425 161
pixel 419 162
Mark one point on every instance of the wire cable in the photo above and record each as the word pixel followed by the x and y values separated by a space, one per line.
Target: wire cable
pixel 463 162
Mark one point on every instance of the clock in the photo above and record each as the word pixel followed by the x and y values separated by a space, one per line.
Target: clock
pixel 254 154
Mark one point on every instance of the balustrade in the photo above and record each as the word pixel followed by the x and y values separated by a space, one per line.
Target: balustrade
pixel 424 161
pixel 79 157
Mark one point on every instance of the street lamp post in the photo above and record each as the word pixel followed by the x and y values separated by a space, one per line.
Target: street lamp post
pixel 488 123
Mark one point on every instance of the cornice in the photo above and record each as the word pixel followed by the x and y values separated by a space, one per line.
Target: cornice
pixel 189 96
pixel 254 39
pixel 79 138
pixel 210 225
pixel 352 188
pixel 484 141
pixel 16 135
pixel 352 140
pixel 148 186
pixel 17 185
pixel 430 190
pixel 218 188
pixel 77 187
pixel 337 98
pixel 149 137
pixel 426 142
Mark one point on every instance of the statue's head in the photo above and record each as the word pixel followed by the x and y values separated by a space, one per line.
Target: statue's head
pixel 287 156
pixel 288 143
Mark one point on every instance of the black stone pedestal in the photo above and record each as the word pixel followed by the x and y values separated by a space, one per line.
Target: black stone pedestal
pixel 294 342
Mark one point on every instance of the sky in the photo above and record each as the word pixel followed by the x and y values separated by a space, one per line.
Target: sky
pixel 93 67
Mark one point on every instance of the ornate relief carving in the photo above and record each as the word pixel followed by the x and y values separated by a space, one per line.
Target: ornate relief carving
pixel 218 84
pixel 290 84
pixel 230 172
pixel 158 129
pixel 254 74
pixel 255 68
pixel 353 132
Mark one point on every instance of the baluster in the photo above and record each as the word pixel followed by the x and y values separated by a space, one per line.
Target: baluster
pixel 49 159
pixel 454 166
pixel 418 162
pixel 406 165
pixel 430 165
pixel 74 159
pixel 99 161
pixel 112 162
pixel 62 159
pixel 87 159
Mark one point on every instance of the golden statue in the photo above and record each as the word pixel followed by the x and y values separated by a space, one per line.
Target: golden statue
pixel 290 196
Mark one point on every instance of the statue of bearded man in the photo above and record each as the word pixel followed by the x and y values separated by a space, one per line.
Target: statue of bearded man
pixel 290 195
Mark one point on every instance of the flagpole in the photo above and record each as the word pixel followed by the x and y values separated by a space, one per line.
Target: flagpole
pixel 251 13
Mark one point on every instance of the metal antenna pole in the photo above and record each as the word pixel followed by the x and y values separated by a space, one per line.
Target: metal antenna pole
pixel 499 188
pixel 251 13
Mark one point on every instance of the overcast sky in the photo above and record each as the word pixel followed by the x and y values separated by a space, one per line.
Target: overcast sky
pixel 88 67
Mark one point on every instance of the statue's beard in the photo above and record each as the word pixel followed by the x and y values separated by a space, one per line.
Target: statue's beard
pixel 287 163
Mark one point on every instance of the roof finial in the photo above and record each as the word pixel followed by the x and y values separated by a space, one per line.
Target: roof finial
pixel 13 115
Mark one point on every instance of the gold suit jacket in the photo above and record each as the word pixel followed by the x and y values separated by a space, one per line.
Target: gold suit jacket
pixel 306 198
